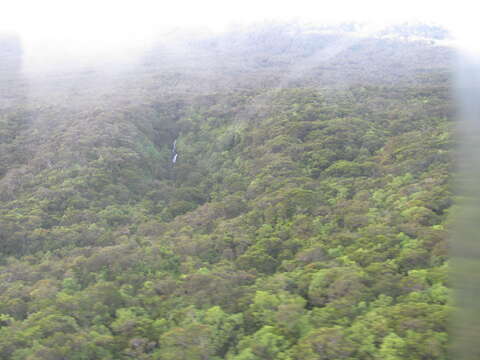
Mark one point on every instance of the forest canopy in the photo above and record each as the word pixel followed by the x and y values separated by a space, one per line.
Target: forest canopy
pixel 305 216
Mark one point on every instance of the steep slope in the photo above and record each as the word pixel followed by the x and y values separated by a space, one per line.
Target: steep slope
pixel 304 218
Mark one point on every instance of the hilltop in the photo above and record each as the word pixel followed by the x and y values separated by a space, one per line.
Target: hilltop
pixel 304 218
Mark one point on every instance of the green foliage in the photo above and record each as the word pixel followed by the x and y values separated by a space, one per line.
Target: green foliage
pixel 392 348
pixel 307 221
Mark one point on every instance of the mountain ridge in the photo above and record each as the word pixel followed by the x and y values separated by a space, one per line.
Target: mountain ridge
pixel 305 218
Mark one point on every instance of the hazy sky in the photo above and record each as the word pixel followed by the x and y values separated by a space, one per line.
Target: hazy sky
pixel 46 17
pixel 92 27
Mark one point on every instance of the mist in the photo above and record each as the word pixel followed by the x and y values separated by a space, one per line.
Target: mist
pixel 78 68
pixel 57 34
pixel 96 42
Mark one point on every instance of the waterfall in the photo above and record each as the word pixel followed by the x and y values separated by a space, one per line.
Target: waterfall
pixel 174 152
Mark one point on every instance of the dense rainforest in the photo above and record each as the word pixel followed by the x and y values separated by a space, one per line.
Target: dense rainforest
pixel 305 215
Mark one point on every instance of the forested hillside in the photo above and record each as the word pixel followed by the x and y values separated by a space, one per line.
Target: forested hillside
pixel 305 216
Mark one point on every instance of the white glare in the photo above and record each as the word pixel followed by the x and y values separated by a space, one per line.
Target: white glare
pixel 87 30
